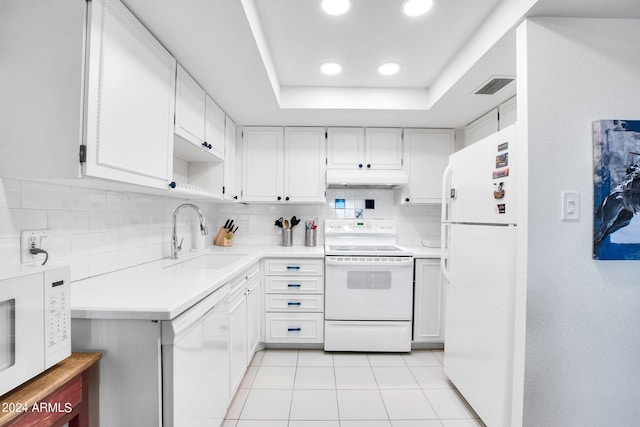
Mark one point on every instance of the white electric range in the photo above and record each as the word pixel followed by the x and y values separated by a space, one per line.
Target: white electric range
pixel 368 287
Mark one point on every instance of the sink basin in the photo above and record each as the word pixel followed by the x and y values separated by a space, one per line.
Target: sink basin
pixel 209 261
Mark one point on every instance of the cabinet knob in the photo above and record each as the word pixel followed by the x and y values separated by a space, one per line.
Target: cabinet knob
pixel 172 184
pixel 360 165
pixel 204 144
pixel 406 200
pixel 209 146
pixel 235 197
pixel 368 165
pixel 279 198
pixel 287 198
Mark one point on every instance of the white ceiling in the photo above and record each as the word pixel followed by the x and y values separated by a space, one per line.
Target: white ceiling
pixel 259 58
pixel 300 37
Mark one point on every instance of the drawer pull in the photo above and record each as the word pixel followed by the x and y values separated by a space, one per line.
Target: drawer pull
pixel 294 329
pixel 296 303
pixel 294 285
pixel 293 267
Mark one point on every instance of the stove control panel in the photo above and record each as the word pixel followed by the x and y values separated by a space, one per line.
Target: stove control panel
pixel 360 226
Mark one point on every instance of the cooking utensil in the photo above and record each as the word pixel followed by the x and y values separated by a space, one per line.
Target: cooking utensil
pixel 286 223
pixel 294 221
pixel 226 224
pixel 230 225
pixel 234 231
pixel 278 222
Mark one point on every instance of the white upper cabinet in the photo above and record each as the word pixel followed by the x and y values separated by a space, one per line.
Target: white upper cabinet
pixel 263 164
pixel 383 148
pixel 493 121
pixel 304 164
pixel 130 103
pixel 190 108
pixel 284 165
pixel 214 128
pixel 426 154
pixel 128 88
pixel 507 113
pixel 231 164
pixel 199 122
pixel 481 127
pixel 345 148
pixel 358 148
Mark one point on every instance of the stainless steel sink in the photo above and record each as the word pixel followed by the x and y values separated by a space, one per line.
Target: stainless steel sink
pixel 209 261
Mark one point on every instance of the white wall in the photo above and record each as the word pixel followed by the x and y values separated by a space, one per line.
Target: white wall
pixel 582 365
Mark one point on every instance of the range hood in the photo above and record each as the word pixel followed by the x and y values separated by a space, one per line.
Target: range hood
pixel 366 178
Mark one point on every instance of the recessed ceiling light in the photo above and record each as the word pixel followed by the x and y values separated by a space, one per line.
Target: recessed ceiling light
pixel 331 68
pixel 336 7
pixel 416 7
pixel 388 69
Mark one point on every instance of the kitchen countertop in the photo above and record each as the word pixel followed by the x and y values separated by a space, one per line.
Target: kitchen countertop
pixel 423 252
pixel 158 291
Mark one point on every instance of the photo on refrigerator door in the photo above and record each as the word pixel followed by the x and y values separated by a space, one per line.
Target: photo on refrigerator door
pixel 616 189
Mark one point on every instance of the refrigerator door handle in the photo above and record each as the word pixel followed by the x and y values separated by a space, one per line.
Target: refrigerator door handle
pixel 446 194
pixel 445 266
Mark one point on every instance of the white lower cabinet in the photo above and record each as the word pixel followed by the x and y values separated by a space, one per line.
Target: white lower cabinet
pixel 244 324
pixel 294 301
pixel 237 335
pixel 179 372
pixel 428 313
pixel 254 314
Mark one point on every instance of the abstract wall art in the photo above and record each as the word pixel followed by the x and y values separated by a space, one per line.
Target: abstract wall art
pixel 616 189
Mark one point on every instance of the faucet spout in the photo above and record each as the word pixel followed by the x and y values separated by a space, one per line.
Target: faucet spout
pixel 174 237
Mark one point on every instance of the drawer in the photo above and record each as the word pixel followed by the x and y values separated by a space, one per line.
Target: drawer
pixel 294 328
pixel 294 285
pixel 294 303
pixel 294 266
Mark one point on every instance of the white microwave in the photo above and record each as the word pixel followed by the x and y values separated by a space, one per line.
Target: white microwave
pixel 35 322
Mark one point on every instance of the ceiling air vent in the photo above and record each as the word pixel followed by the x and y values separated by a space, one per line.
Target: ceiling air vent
pixel 494 85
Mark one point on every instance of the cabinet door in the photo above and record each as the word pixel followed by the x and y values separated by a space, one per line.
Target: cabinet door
pixel 426 155
pixel 481 127
pixel 263 166
pixel 304 164
pixel 428 302
pixel 254 315
pixel 130 100
pixel 237 342
pixel 345 148
pixel 507 113
pixel 214 128
pixel 383 148
pixel 190 108
pixel 231 190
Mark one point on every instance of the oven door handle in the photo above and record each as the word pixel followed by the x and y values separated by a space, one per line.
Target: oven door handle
pixel 370 262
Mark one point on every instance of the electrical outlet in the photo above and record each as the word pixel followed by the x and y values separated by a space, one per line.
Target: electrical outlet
pixel 31 239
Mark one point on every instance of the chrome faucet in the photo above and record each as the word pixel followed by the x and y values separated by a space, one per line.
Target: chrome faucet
pixel 175 247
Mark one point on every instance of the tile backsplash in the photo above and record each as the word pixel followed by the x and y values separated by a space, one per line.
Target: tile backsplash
pixel 98 231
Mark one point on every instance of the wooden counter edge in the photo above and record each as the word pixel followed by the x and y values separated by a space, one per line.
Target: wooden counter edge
pixel 41 386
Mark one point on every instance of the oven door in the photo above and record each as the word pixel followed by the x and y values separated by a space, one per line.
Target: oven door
pixel 368 288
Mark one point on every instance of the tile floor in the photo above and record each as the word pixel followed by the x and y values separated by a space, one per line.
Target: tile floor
pixel 311 388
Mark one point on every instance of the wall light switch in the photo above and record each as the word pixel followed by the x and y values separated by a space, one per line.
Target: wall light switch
pixel 570 206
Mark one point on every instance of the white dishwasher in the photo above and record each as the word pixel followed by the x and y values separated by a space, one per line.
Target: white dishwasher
pixel 195 364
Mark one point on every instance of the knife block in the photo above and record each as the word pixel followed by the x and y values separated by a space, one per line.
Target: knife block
pixel 223 238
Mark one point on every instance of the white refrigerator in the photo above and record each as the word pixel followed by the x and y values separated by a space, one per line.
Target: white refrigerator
pixel 478 267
